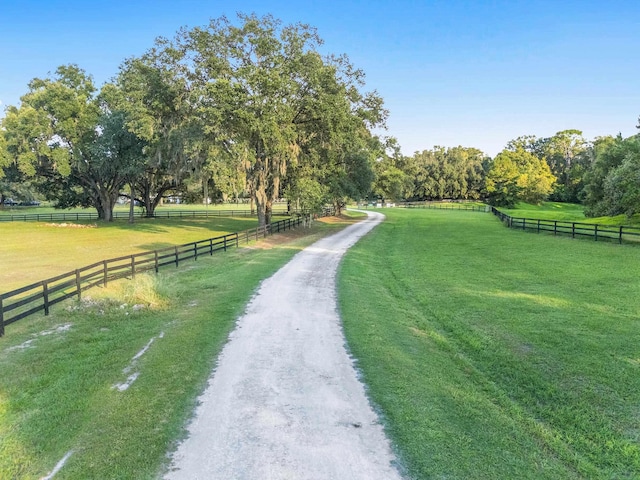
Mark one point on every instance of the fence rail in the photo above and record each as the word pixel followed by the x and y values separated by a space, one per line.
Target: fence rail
pixel 41 296
pixel 444 206
pixel 596 231
pixel 69 216
pixel 436 206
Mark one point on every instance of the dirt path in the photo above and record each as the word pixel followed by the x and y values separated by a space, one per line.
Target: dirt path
pixel 285 401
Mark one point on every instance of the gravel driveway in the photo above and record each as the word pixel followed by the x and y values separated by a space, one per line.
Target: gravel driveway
pixel 285 401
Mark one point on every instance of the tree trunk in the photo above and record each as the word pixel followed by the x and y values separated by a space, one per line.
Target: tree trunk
pixel 149 210
pixel 105 206
pixel 268 211
pixel 131 203
pixel 260 193
pixel 205 188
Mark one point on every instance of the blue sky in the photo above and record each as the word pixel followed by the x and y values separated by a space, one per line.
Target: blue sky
pixel 471 73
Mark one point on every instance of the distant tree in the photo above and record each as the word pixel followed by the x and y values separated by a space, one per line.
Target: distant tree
pixel 5 157
pixel 502 182
pixel 607 153
pixel 622 185
pixel 67 139
pixel 611 183
pixel 565 153
pixel 455 173
pixel 518 175
pixel 155 93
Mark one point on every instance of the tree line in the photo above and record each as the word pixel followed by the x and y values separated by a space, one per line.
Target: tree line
pixel 253 109
pixel 230 108
pixel 603 174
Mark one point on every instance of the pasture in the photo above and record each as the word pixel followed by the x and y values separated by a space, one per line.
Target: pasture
pixel 33 251
pixel 111 380
pixel 46 208
pixel 493 353
pixel 568 212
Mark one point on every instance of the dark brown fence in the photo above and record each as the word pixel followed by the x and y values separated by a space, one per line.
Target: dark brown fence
pixel 437 206
pixel 68 216
pixel 41 296
pixel 618 234
pixel 444 206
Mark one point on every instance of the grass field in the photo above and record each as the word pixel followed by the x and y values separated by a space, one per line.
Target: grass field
pixel 493 353
pixel 568 212
pixel 33 251
pixel 46 209
pixel 58 373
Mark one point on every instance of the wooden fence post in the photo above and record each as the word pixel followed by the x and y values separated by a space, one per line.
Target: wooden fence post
pixel 211 246
pixel 176 256
pixel 155 256
pixel 78 286
pixel 596 232
pixel 619 240
pixel 237 240
pixel 195 251
pixel 1 318
pixel 104 273
pixel 45 294
pixel 133 267
pixel 573 230
pixel 555 227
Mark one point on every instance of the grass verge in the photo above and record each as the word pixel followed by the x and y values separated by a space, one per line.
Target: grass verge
pixel 493 353
pixel 62 377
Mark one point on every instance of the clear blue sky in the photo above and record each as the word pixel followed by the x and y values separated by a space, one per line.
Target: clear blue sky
pixel 471 73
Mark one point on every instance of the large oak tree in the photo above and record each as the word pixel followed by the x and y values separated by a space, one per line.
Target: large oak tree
pixel 68 138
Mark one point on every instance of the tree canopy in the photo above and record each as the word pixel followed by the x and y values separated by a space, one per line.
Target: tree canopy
pixel 253 108
pixel 251 105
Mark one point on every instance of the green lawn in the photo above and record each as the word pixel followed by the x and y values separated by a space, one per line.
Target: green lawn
pixel 57 373
pixel 33 251
pixel 45 208
pixel 493 353
pixel 568 212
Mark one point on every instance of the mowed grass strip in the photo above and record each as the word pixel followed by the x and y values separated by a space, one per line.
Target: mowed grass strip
pixel 493 353
pixel 34 251
pixel 59 374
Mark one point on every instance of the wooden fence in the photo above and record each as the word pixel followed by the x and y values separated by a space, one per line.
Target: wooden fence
pixel 41 296
pixel 575 229
pixel 68 216
pixel 444 206
pixel 437 206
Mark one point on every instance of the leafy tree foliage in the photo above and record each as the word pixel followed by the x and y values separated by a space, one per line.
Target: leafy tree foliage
pixel 157 97
pixel 611 185
pixel 518 175
pixel 392 173
pixel 453 173
pixel 67 138
pixel 276 101
pixel 502 182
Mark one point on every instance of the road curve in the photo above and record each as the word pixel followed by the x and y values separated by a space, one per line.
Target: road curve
pixel 285 401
